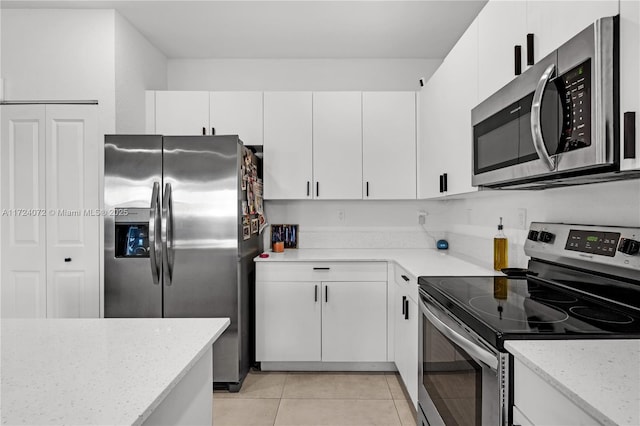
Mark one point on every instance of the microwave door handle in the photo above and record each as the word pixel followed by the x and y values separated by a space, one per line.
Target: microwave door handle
pixel 167 231
pixel 153 230
pixel 474 350
pixel 536 127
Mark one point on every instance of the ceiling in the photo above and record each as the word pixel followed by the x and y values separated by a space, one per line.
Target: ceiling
pixel 291 29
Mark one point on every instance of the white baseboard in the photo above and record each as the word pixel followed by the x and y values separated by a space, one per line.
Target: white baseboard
pixel 328 366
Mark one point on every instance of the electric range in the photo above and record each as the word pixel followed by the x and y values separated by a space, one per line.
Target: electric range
pixel 582 282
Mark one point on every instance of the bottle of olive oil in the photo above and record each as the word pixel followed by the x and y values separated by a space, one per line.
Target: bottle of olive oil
pixel 500 249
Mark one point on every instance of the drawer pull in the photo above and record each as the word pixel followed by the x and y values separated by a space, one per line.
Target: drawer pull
pixel 321 269
pixel 404 277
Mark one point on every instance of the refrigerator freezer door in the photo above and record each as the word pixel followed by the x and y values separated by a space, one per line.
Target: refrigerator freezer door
pixel 133 164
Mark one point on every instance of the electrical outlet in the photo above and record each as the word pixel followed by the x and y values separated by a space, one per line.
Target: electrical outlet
pixel 522 219
pixel 341 215
pixel 422 217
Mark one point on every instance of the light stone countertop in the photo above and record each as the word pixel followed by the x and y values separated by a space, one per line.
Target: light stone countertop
pixel 600 376
pixel 97 371
pixel 418 262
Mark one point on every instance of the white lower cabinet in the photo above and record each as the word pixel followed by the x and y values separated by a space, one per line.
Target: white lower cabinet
pixel 321 317
pixel 405 322
pixel 537 402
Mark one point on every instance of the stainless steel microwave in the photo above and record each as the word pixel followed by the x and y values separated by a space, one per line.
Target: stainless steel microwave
pixel 556 121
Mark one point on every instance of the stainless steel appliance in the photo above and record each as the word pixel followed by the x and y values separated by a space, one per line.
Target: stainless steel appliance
pixel 582 282
pixel 557 123
pixel 175 247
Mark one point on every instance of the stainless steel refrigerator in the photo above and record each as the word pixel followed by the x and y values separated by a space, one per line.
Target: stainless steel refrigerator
pixel 176 243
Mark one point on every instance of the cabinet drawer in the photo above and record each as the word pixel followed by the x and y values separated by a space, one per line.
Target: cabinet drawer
pixel 321 271
pixel 407 282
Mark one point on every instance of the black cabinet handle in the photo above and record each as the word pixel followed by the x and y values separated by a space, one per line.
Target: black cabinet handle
pixel 629 135
pixel 404 277
pixel 406 309
pixel 67 259
pixel 530 60
pixel 317 268
pixel 326 294
pixel 445 183
pixel 317 189
pixel 307 188
pixel 204 131
pixel 517 57
pixel 441 183
pixel 316 293
pixel 404 300
pixel 367 189
pixel 213 131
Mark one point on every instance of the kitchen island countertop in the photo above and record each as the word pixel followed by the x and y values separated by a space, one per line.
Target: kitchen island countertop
pixel 602 377
pixel 97 371
pixel 418 262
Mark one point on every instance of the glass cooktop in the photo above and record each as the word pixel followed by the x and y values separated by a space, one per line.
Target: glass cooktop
pixel 502 308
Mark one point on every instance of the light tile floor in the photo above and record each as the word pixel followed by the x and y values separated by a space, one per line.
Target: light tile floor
pixel 315 399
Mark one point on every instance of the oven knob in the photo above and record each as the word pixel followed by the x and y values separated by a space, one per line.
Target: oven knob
pixel 546 237
pixel 628 246
pixel 533 235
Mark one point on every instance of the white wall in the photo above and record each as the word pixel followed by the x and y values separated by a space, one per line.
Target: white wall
pixel 471 223
pixel 60 55
pixel 299 74
pixel 139 66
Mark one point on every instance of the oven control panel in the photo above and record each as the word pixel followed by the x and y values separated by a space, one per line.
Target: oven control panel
pixel 605 248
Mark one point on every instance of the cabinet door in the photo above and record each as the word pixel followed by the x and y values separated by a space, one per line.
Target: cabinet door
pixel 501 26
pixel 237 113
pixel 406 345
pixel 288 148
pixel 180 113
pixel 431 154
pixel 72 190
pixel 337 145
pixel 288 321
pixel 354 319
pixel 389 145
pixel 629 71
pixel 556 21
pixel 23 236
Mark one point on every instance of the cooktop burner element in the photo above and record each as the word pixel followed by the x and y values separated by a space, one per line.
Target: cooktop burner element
pixel 511 311
pixel 611 317
pixel 553 297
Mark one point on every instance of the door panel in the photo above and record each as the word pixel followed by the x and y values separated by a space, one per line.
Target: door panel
pixel 288 147
pixel 182 113
pixel 337 145
pixel 22 163
pixel 73 159
pixel 288 324
pixel 132 165
pixel 389 145
pixel 354 321
pixel 237 113
pixel 201 276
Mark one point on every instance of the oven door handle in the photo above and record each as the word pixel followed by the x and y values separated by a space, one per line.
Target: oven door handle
pixel 478 353
pixel 536 126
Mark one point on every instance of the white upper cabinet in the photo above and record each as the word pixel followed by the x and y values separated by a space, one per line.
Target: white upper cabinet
pixel 288 148
pixel 337 145
pixel 181 113
pixel 554 22
pixel 500 28
pixel 389 145
pixel 629 81
pixel 445 141
pixel 237 113
pixel 51 157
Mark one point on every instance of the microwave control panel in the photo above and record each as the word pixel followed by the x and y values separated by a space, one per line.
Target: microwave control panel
pixel 575 96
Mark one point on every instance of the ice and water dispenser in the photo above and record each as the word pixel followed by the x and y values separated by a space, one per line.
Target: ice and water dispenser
pixel 132 233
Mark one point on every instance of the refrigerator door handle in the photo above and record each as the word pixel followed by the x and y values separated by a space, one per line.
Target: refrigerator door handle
pixel 167 231
pixel 153 232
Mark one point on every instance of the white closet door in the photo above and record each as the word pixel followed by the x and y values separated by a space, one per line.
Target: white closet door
pixel 22 164
pixel 72 192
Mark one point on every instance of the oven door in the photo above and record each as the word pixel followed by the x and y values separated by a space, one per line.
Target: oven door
pixel 458 373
